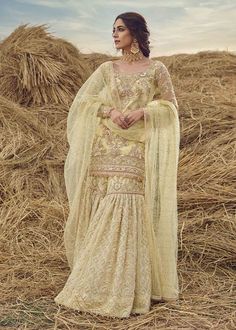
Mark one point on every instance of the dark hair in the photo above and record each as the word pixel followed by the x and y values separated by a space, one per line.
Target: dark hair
pixel 138 28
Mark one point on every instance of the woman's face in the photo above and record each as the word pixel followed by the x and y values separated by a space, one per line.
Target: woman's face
pixel 121 35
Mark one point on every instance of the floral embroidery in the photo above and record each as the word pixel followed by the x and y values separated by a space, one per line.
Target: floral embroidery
pixel 130 87
pixel 117 184
pixel 115 155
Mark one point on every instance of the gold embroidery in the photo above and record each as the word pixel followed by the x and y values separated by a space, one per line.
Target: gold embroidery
pixel 105 171
pixel 133 86
pixel 117 185
pixel 115 155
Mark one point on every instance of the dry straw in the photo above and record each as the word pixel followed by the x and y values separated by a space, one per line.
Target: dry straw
pixel 39 76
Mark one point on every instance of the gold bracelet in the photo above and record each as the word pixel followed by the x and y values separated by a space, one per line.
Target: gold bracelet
pixel 106 112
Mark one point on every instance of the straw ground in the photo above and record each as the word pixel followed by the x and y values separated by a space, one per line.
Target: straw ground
pixel 39 76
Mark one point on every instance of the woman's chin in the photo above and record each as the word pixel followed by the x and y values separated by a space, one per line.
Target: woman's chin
pixel 118 47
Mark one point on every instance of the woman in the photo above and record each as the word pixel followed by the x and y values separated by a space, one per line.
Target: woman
pixel 120 175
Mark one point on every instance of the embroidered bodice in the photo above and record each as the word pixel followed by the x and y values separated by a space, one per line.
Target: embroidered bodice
pixel 133 87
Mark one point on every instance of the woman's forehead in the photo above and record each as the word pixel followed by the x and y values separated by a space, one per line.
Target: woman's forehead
pixel 119 23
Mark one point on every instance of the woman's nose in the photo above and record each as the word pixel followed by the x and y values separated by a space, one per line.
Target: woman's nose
pixel 114 33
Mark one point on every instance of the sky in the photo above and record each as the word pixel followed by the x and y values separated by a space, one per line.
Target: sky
pixel 176 26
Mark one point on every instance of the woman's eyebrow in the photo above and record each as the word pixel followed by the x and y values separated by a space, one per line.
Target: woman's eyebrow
pixel 119 26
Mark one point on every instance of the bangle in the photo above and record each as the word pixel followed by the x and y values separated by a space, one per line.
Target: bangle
pixel 107 112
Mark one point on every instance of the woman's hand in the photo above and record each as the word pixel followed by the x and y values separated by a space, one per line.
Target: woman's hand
pixel 134 116
pixel 118 118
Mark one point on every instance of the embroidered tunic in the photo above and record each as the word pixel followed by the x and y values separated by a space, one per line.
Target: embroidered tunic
pixel 113 154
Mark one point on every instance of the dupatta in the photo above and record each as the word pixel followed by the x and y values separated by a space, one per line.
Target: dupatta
pixel 160 132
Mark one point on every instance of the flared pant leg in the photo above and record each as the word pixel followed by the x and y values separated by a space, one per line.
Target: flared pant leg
pixel 112 272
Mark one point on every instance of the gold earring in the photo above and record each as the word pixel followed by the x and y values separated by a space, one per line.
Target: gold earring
pixel 134 47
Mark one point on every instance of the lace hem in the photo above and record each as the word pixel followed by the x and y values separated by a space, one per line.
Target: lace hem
pixel 78 303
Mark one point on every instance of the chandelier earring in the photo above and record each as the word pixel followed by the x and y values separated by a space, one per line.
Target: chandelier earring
pixel 134 54
pixel 134 47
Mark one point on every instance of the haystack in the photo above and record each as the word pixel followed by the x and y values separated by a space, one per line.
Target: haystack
pixel 37 68
pixel 40 74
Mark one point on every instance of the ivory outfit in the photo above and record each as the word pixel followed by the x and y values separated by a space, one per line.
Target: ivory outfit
pixel 121 233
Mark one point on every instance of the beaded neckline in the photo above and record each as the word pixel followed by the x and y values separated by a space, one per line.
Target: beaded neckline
pixel 141 73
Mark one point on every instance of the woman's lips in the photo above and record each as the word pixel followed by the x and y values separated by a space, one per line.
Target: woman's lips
pixel 116 41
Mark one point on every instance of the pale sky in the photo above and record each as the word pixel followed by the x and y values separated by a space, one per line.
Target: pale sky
pixel 176 26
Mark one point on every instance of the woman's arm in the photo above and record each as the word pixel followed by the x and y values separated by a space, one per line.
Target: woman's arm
pixel 165 85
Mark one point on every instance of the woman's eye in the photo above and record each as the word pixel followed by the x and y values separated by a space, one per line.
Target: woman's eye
pixel 118 30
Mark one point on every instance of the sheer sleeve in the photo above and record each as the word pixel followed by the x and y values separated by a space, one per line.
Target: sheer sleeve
pixel 164 84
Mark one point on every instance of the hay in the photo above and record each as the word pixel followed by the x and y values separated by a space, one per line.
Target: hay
pixel 37 68
pixel 40 75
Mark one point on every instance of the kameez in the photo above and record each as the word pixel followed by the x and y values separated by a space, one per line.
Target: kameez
pixel 112 267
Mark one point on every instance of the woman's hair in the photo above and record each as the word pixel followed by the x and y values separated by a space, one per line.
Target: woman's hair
pixel 138 28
